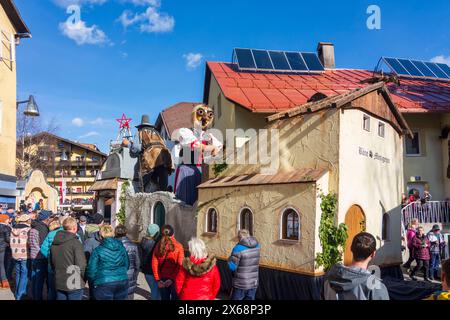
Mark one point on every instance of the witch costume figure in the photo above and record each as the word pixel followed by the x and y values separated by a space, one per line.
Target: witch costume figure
pixel 196 146
pixel 155 160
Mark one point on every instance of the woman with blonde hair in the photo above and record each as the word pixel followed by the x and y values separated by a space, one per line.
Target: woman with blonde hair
pixel 108 267
pixel 167 259
pixel 199 278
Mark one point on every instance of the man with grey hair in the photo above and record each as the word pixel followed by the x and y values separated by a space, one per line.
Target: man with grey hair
pixel 244 263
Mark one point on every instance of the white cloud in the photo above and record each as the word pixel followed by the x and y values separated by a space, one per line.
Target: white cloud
pixel 193 60
pixel 89 134
pixel 97 122
pixel 78 122
pixel 66 3
pixel 151 21
pixel 82 34
pixel 441 59
pixel 153 3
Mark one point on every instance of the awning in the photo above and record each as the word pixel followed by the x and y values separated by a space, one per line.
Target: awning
pixel 109 184
pixel 296 176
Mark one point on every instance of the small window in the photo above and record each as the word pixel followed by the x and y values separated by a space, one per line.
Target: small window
pixel 366 122
pixel 413 145
pixel 290 225
pixel 246 220
pixel 385 227
pixel 211 221
pixel 381 128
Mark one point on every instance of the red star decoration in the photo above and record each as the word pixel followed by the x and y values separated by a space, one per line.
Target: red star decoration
pixel 124 122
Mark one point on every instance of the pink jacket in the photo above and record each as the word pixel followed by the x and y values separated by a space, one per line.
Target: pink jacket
pixel 410 234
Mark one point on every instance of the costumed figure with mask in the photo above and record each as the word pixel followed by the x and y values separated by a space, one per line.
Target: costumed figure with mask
pixel 155 160
pixel 196 146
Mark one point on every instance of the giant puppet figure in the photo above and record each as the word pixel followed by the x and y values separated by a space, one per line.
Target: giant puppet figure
pixel 155 160
pixel 196 147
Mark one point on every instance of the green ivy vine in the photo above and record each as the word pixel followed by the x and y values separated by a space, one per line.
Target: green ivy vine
pixel 120 216
pixel 332 237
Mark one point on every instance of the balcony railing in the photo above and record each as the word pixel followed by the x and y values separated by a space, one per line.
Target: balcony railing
pixel 427 212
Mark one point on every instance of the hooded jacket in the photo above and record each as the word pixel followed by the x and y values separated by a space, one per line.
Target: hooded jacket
pixel 93 241
pixel 146 248
pixel 68 261
pixel 352 283
pixel 38 233
pixel 244 262
pixel 135 264
pixel 198 279
pixel 108 263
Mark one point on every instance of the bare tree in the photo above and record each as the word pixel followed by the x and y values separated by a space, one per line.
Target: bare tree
pixel 34 147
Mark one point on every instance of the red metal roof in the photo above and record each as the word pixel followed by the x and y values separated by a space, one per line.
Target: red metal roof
pixel 274 92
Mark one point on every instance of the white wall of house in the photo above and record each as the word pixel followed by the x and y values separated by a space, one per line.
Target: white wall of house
pixel 373 184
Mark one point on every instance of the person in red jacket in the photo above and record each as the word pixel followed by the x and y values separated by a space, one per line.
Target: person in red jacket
pixel 166 261
pixel 421 247
pixel 199 278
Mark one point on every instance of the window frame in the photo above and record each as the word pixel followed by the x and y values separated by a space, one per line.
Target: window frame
pixel 419 154
pixel 283 224
pixel 382 125
pixel 240 226
pixel 366 117
pixel 208 221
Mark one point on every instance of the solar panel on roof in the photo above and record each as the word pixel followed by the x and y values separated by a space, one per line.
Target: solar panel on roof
pixel 423 68
pixel 245 58
pixel 312 61
pixel 279 60
pixel 444 68
pixel 415 68
pixel 282 61
pixel 296 61
pixel 410 67
pixel 262 59
pixel 436 70
pixel 396 66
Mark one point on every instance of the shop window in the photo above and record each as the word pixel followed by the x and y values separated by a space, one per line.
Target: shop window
pixel 246 220
pixel 381 129
pixel 385 227
pixel 211 221
pixel 290 225
pixel 413 145
pixel 366 122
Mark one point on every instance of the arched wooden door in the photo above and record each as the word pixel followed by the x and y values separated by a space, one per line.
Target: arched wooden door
pixel 159 214
pixel 355 219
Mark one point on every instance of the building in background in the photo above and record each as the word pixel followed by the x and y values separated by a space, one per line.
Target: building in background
pixel 243 98
pixel 68 165
pixel 12 29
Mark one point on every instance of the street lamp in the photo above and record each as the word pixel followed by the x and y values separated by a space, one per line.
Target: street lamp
pixel 32 109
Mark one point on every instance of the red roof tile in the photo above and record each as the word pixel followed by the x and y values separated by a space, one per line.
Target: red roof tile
pixel 271 92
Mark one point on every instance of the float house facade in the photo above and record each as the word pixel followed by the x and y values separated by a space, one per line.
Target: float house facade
pixel 340 144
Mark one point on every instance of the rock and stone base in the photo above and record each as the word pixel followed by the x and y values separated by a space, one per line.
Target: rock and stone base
pixel 139 211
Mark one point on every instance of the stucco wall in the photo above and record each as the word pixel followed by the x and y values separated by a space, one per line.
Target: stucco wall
pixel 267 204
pixel 37 187
pixel 373 185
pixel 7 100
pixel 429 165
pixel 139 214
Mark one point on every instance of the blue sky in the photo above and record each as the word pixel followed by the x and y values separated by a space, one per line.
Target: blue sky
pixel 141 56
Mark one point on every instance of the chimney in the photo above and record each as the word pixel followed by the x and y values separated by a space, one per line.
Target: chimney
pixel 325 50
